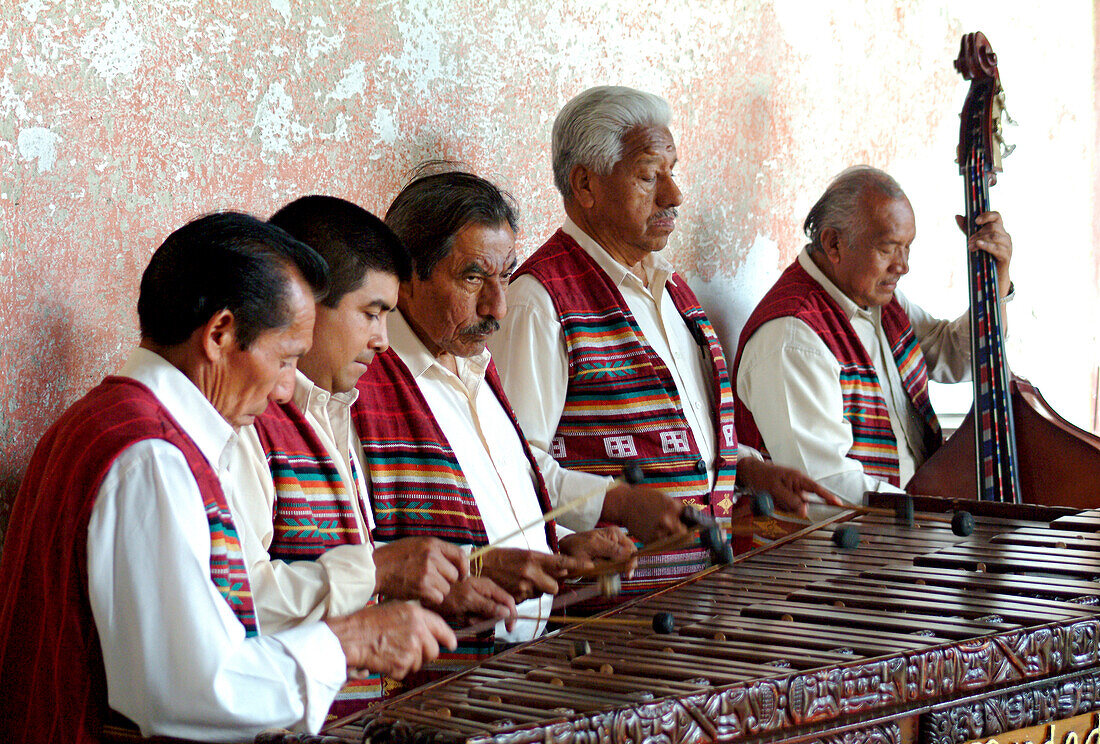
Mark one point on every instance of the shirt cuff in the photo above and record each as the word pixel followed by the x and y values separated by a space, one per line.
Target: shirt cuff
pixel 562 531
pixel 585 515
pixel 744 451
pixel 350 570
pixel 316 650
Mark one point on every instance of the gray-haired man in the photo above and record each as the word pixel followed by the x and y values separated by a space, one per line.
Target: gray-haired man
pixel 606 354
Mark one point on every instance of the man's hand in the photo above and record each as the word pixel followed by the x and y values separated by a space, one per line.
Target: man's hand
pixel 646 513
pixel 478 598
pixel 992 238
pixel 608 544
pixel 392 638
pixel 525 573
pixel 418 568
pixel 789 487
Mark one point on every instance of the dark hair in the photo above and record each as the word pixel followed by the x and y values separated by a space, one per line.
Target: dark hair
pixel 352 240
pixel 223 261
pixel 432 209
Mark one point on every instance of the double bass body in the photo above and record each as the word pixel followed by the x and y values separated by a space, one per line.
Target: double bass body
pixel 1058 463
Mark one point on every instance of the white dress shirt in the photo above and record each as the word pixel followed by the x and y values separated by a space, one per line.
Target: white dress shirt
pixel 341 580
pixel 176 657
pixel 533 362
pixel 489 452
pixel 790 381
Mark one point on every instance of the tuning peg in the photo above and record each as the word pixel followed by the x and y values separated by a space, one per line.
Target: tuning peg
pixel 1004 110
pixel 1007 150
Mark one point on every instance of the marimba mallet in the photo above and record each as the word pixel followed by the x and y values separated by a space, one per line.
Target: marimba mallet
pixel 762 504
pixel 710 533
pixel 962 522
pixel 846 537
pixel 663 623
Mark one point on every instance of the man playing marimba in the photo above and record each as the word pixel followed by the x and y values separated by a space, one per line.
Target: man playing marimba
pixel 303 499
pixel 833 365
pixel 607 355
pixel 125 588
pixel 445 454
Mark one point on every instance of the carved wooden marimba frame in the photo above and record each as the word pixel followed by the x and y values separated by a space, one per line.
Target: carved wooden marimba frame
pixel 917 635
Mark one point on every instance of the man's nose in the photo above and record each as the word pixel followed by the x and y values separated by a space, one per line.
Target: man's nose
pixel 283 391
pixel 901 261
pixel 380 341
pixel 493 301
pixel 669 194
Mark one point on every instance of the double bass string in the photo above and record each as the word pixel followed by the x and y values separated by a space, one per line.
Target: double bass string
pixel 982 442
pixel 994 436
pixel 1007 479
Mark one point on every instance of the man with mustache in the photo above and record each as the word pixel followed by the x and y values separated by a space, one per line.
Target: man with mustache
pixel 445 454
pixel 607 355
pixel 833 365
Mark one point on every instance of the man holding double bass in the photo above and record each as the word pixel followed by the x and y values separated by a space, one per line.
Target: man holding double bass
pixel 833 365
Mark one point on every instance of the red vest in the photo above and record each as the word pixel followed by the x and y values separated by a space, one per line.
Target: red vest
pixel 417 486
pixel 797 294
pixel 52 680
pixel 313 511
pixel 622 405
pixel 312 514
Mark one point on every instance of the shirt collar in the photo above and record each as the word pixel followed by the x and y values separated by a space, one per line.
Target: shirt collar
pixel 185 402
pixel 655 264
pixel 847 306
pixel 412 351
pixel 308 395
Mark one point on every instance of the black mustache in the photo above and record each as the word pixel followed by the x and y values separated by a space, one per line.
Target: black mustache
pixel 482 328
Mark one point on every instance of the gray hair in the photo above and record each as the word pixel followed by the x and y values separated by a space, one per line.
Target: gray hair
pixel 589 129
pixel 840 206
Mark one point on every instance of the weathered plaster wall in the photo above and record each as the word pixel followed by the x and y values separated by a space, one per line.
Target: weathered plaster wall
pixel 120 120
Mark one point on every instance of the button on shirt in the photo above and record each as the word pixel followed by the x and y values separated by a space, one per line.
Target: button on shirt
pixel 790 381
pixel 341 580
pixel 488 450
pixel 176 657
pixel 533 362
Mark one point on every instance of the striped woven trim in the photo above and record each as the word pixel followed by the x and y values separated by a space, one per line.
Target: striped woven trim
pixel 227 566
pixel 873 441
pixel 313 507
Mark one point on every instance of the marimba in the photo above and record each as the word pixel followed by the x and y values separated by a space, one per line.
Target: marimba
pixel 916 636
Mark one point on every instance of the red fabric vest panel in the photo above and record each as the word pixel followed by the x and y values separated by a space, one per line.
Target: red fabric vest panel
pixel 52 681
pixel 417 486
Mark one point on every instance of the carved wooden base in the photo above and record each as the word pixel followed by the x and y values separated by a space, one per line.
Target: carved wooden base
pixel 1020 707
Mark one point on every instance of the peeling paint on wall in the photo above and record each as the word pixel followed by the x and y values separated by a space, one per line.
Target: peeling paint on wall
pixel 40 145
pixel 119 120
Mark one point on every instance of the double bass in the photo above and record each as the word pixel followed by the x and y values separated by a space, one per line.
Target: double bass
pixel 1012 446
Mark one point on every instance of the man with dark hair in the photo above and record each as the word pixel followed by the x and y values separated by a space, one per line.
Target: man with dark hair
pixel 608 356
pixel 833 365
pixel 446 455
pixel 141 613
pixel 303 502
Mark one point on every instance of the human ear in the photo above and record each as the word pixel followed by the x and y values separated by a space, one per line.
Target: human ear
pixel 580 183
pixel 830 243
pixel 219 335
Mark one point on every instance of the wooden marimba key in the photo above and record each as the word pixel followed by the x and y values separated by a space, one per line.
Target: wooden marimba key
pixel 797 638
